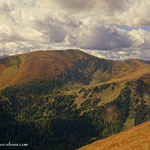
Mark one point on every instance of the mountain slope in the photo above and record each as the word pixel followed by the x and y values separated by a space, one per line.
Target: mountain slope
pixel 72 66
pixel 137 138
pixel 69 119
pixel 48 64
pixel 69 99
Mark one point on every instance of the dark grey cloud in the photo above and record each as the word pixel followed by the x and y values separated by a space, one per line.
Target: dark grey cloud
pixel 100 6
pixel 29 25
pixel 52 29
pixel 103 37
pixel 116 5
pixel 76 5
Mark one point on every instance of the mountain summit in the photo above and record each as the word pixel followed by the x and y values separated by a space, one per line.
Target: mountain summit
pixel 71 65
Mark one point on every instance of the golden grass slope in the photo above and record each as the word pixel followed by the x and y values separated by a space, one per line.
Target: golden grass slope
pixel 35 65
pixel 47 64
pixel 137 138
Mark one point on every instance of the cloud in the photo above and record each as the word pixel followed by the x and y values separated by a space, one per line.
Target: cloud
pixel 106 7
pixel 137 15
pixel 141 39
pixel 103 37
pixel 123 55
pixel 30 25
pixel 52 29
pixel 76 6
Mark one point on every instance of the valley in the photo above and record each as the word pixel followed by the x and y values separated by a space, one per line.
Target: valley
pixel 69 99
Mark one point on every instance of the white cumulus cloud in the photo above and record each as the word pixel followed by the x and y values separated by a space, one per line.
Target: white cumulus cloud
pixel 93 26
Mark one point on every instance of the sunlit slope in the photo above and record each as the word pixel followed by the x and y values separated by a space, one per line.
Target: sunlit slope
pixel 23 68
pixel 137 138
pixel 71 66
pixel 77 98
pixel 133 70
pixel 82 115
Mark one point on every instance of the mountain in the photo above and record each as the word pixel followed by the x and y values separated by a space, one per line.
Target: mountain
pixel 69 99
pixel 133 139
pixel 72 65
pixel 3 56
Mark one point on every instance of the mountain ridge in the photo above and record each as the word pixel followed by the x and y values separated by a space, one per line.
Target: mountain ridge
pixel 77 64
pixel 69 99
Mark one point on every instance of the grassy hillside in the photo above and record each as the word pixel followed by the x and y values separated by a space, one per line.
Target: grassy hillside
pixel 133 139
pixel 72 66
pixel 63 119
pixel 63 100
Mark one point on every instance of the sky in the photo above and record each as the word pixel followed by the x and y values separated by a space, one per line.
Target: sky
pixel 111 29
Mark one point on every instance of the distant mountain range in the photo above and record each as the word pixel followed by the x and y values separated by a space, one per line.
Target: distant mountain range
pixel 69 99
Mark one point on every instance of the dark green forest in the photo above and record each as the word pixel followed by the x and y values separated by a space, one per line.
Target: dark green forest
pixel 39 114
